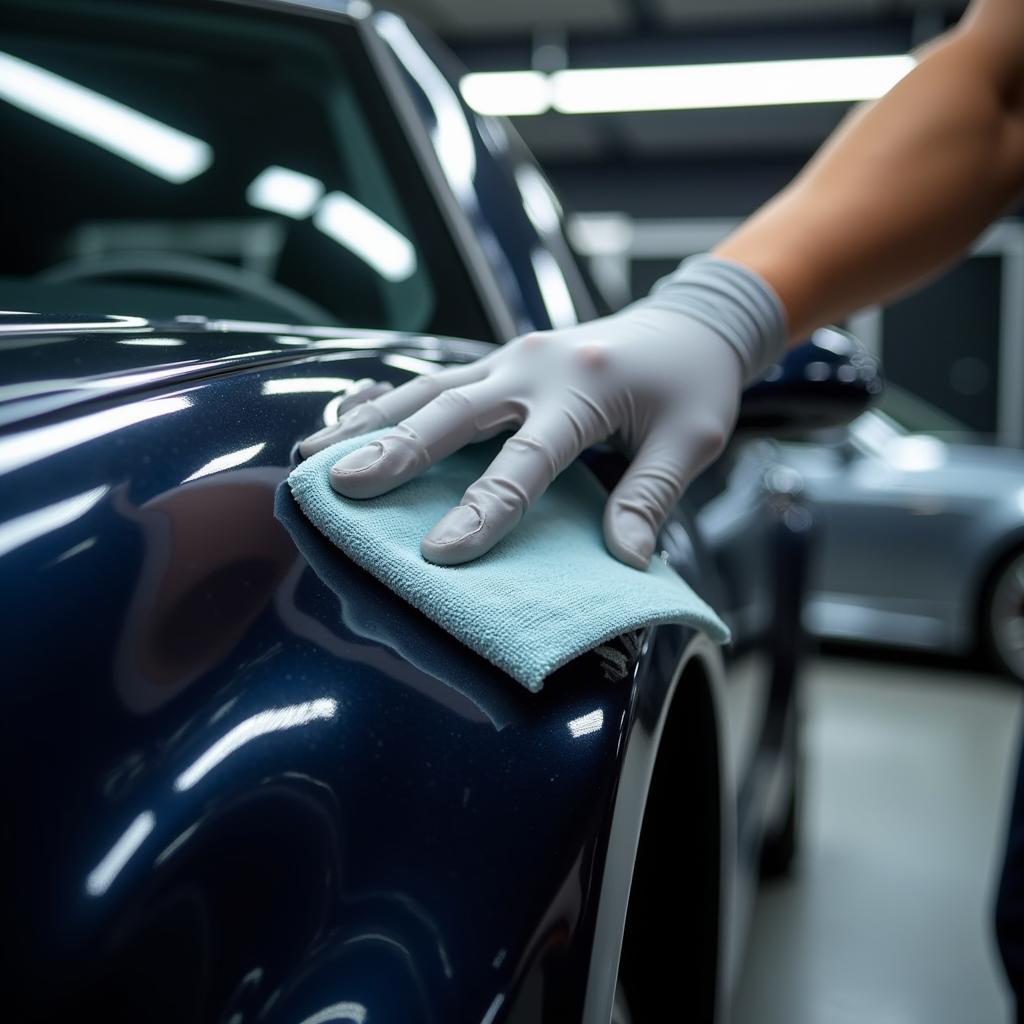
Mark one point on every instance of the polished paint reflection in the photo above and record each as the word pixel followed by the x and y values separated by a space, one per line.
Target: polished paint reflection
pixel 586 724
pixel 43 521
pixel 271 720
pixel 354 1012
pixel 32 445
pixel 102 876
pixel 229 460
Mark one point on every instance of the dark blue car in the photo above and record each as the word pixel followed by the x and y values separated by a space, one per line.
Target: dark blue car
pixel 242 781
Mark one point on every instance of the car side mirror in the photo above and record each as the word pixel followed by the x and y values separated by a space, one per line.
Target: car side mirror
pixel 827 381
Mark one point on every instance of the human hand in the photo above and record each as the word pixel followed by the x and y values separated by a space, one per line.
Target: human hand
pixel 663 376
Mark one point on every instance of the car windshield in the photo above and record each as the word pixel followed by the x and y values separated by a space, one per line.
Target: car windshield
pixel 231 162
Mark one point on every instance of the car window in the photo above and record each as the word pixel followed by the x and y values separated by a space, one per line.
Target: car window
pixel 186 161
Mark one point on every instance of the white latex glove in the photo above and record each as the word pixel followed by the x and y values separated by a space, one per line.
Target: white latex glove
pixel 663 376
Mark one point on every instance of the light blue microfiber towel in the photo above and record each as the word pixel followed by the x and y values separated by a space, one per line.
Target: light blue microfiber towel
pixel 547 593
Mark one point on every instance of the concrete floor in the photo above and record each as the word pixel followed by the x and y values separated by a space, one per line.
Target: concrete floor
pixel 887 918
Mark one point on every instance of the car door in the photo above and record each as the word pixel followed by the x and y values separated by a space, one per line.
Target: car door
pixel 887 515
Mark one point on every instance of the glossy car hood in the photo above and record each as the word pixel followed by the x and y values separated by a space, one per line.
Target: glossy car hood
pixel 48 363
pixel 218 732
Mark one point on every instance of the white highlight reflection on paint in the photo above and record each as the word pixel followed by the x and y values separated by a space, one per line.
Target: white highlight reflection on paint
pixel 303 385
pixel 366 235
pixel 153 342
pixel 227 461
pixel 586 724
pixel 352 1012
pixel 138 138
pixel 102 876
pixel 31 445
pixel 271 720
pixel 16 532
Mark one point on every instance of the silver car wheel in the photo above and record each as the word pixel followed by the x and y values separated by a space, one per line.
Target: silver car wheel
pixel 1006 616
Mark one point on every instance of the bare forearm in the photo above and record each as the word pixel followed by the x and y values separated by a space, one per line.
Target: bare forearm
pixel 904 185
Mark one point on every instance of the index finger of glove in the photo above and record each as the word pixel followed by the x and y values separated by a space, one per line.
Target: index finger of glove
pixel 390 407
pixel 456 417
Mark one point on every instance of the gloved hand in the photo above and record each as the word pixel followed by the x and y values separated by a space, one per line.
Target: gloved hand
pixel 663 376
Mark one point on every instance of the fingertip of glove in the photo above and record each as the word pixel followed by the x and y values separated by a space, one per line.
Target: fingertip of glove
pixel 629 538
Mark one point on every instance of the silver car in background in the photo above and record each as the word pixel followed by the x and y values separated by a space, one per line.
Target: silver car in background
pixel 922 534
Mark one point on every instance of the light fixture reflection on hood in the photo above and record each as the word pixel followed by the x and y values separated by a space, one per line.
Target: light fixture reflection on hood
pixel 586 724
pixel 102 876
pixel 271 720
pixel 42 521
pixel 305 385
pixel 348 1012
pixel 33 445
pixel 227 461
pixel 142 140
pixel 366 235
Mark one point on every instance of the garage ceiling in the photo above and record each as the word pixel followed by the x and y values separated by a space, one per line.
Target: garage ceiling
pixel 671 162
pixel 471 18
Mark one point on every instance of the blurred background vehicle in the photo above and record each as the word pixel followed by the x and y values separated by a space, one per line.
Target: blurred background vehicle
pixel 922 540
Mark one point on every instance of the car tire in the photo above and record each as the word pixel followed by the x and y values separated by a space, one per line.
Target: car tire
pixel 1003 615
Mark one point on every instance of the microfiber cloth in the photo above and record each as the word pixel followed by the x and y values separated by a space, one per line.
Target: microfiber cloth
pixel 371 613
pixel 544 595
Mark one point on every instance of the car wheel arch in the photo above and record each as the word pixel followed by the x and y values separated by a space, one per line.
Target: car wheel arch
pixel 670 840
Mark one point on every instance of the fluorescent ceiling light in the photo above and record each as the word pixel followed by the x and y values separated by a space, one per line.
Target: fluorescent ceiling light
pixel 508 93
pixel 142 140
pixel 690 86
pixel 366 235
pixel 281 190
pixel 749 84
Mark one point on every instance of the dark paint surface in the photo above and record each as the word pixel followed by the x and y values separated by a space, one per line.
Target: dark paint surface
pixel 245 778
pixel 245 782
